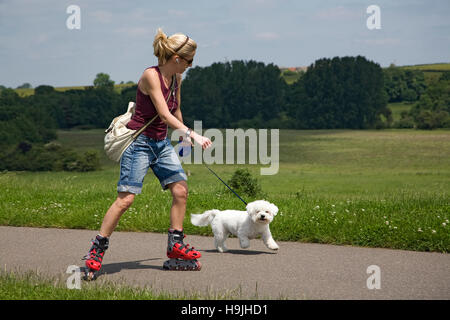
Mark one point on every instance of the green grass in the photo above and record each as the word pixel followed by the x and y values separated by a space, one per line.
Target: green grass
pixel 367 188
pixel 429 67
pixel 290 76
pixel 33 286
pixel 432 72
pixel 398 107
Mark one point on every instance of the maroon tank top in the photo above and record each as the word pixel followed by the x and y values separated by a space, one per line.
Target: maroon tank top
pixel 145 111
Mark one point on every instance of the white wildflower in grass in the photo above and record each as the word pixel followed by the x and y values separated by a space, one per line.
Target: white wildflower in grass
pixel 387 223
pixel 419 230
pixel 444 224
pixel 346 210
pixel 316 208
pixel 363 210
pixel 333 205
pixel 433 231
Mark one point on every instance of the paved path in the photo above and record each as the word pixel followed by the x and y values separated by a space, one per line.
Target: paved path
pixel 297 271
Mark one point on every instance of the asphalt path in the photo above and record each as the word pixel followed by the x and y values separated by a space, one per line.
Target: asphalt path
pixel 296 271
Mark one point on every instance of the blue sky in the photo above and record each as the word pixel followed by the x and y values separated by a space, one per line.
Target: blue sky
pixel 116 36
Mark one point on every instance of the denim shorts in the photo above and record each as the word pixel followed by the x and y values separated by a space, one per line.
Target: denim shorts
pixel 145 153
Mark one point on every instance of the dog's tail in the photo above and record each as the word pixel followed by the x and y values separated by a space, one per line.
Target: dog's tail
pixel 203 219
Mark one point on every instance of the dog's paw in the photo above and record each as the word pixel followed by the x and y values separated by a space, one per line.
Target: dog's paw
pixel 245 243
pixel 222 249
pixel 273 245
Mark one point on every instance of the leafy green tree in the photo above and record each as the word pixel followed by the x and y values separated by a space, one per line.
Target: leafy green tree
pixel 433 108
pixel 343 92
pixel 403 84
pixel 102 80
pixel 26 85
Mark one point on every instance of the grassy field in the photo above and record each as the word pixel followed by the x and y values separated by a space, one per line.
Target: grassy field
pixel 366 188
pixel 30 91
pixel 430 67
pixel 398 107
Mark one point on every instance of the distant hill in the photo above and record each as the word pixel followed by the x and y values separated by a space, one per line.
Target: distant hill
pixel 432 67
pixel 431 71
pixel 28 92
pixel 290 74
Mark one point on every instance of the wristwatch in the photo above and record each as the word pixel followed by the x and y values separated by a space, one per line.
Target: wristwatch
pixel 188 133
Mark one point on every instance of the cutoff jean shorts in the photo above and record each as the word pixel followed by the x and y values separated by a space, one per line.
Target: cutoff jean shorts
pixel 145 153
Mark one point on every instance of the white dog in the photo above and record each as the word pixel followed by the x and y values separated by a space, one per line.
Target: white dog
pixel 245 225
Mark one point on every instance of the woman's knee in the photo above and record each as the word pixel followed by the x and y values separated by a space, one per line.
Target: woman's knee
pixel 180 191
pixel 125 200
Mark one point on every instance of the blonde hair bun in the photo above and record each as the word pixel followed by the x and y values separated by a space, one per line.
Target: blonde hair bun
pixel 164 47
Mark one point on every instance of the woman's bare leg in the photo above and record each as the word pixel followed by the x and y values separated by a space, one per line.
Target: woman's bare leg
pixel 123 202
pixel 179 191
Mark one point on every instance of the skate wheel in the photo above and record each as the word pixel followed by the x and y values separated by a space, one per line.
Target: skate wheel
pixel 90 275
pixel 182 265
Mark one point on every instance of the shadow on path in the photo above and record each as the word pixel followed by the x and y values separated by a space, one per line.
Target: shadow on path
pixel 241 252
pixel 112 268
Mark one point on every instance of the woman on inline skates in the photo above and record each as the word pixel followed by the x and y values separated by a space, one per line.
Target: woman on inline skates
pixel 152 149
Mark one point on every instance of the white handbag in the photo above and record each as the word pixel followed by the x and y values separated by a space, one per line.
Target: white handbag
pixel 118 137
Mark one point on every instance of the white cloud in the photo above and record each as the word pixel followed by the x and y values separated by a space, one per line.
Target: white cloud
pixel 379 42
pixel 177 13
pixel 41 38
pixel 102 16
pixel 339 13
pixel 135 31
pixel 267 35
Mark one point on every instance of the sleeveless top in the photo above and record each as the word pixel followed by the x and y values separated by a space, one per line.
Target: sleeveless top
pixel 145 111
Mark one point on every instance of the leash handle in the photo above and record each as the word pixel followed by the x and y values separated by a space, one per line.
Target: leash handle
pixel 225 184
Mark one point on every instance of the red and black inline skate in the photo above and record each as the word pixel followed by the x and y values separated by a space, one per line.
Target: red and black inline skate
pixel 94 258
pixel 181 257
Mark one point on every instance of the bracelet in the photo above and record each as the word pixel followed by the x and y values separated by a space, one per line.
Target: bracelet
pixel 188 133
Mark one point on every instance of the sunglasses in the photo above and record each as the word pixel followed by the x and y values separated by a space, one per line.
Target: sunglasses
pixel 189 62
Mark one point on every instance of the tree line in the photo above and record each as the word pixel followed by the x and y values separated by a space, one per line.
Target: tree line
pixel 337 93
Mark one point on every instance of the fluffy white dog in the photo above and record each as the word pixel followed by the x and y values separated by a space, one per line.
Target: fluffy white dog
pixel 245 225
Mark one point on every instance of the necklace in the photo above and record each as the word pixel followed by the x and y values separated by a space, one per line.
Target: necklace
pixel 166 82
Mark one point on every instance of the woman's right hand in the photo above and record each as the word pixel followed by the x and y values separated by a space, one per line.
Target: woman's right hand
pixel 201 140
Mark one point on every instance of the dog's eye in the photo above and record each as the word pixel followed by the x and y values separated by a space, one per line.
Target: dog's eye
pixel 267 211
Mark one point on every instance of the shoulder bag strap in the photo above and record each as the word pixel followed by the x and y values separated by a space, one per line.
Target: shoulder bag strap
pixel 172 88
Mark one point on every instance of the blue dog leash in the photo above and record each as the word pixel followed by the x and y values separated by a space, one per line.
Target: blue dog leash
pixel 185 149
pixel 225 184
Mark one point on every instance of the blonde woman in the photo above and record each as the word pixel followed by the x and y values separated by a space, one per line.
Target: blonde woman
pixel 152 149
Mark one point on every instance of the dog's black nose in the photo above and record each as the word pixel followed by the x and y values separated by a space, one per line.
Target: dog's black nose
pixel 263 216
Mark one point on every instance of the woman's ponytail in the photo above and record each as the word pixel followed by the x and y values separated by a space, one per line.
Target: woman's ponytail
pixel 164 47
pixel 160 45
